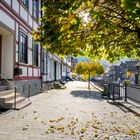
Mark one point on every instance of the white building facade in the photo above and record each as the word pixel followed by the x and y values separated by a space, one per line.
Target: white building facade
pixel 51 69
pixel 22 60
pixel 20 55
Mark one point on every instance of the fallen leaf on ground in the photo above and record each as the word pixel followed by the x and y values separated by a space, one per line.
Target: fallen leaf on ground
pixel 25 128
pixel 107 136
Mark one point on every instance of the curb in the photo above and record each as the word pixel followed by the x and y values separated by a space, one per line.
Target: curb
pixel 97 87
pixel 137 113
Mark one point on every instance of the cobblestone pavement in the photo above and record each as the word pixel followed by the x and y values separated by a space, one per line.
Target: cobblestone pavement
pixel 73 113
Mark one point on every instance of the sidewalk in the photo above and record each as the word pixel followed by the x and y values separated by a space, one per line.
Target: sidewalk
pixel 130 104
pixel 74 113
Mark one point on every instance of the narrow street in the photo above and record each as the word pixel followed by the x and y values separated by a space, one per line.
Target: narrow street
pixel 73 113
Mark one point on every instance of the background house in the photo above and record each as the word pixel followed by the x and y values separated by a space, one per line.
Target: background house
pixel 123 71
pixel 137 74
pixel 66 68
pixel 114 72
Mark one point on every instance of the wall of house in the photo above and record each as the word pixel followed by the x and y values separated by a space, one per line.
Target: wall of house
pixel 133 92
pixel 15 18
pixel 49 70
pixel 64 71
pixel 58 77
pixel 7 55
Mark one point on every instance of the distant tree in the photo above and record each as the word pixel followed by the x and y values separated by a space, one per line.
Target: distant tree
pixel 88 69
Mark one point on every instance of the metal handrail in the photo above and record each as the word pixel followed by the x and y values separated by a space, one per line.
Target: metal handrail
pixel 14 88
pixel 8 81
pixel 29 93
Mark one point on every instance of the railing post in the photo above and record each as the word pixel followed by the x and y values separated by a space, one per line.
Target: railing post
pixel 113 91
pixel 109 90
pixel 119 89
pixel 29 93
pixel 125 91
pixel 15 97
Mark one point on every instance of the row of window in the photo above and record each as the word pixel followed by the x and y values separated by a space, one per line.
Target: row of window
pixel 23 50
pixel 35 7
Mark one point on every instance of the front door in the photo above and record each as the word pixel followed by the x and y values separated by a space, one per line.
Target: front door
pixel 0 51
pixel 136 79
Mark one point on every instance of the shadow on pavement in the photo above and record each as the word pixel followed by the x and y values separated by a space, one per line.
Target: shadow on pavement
pixel 87 94
pixel 3 110
pixel 126 109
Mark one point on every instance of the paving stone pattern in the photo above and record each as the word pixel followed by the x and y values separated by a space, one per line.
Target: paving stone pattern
pixel 73 113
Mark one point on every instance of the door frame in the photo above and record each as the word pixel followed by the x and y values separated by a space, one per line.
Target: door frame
pixel 55 71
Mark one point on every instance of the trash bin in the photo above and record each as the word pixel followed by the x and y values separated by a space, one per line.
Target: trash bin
pixel 105 92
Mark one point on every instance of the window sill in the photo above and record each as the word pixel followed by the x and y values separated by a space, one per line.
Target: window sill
pixel 34 66
pixel 23 64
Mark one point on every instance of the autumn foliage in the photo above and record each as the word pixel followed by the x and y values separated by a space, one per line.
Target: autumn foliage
pixel 108 29
pixel 88 69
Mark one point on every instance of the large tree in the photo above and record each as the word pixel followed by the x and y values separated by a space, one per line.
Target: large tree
pixel 95 28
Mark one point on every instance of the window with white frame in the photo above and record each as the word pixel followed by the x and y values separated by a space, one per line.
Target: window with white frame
pixel 35 9
pixel 35 54
pixel 23 47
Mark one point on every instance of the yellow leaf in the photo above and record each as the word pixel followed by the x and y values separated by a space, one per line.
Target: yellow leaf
pixel 96 135
pixel 83 130
pixel 107 136
pixel 131 132
pixel 44 8
pixel 88 3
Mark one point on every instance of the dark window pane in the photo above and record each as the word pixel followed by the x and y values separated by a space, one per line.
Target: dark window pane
pixel 23 48
pixel 35 9
pixel 25 2
pixel 35 54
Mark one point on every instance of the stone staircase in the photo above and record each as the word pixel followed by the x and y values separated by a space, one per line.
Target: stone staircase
pixel 7 98
pixel 58 85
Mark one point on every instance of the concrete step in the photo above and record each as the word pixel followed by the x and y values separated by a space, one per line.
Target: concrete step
pixel 6 92
pixel 3 88
pixel 23 104
pixel 57 85
pixel 8 97
pixel 10 104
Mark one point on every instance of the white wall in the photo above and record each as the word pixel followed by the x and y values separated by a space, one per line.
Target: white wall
pixel 23 13
pixel 6 20
pixel 63 70
pixel 8 2
pixel 49 68
pixel 16 5
pixel 58 71
pixel 24 71
pixel 52 69
pixel 7 56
